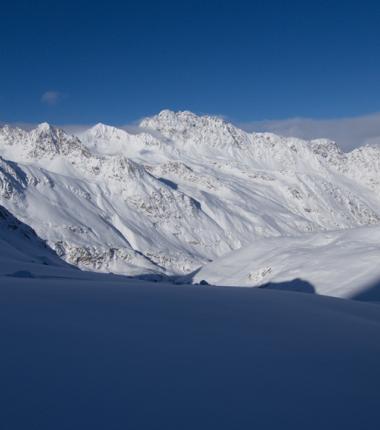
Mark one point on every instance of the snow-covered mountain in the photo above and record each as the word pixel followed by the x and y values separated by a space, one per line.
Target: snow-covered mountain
pixel 22 251
pixel 179 191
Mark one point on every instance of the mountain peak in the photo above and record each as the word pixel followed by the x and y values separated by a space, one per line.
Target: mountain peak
pixel 177 118
pixel 101 130
pixel 204 130
pixel 101 126
pixel 44 126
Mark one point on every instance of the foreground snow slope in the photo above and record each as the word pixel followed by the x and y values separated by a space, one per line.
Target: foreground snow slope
pixel 338 263
pixel 100 355
pixel 180 191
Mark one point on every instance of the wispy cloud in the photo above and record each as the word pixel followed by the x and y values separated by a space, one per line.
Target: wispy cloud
pixel 52 98
pixel 349 133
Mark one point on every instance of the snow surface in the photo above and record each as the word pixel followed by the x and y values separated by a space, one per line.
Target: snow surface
pixel 179 192
pixel 342 263
pixel 102 354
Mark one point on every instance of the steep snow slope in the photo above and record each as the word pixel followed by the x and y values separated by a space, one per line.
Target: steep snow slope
pixel 21 248
pixel 94 226
pixel 23 255
pixel 180 191
pixel 340 263
pixel 97 355
pixel 100 211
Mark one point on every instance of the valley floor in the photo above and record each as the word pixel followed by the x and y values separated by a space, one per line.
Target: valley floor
pixel 88 354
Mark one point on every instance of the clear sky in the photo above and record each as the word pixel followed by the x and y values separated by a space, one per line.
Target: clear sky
pixel 115 62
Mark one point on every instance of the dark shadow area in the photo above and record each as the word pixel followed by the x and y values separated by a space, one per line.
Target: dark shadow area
pixel 151 277
pixel 370 293
pixel 205 358
pixel 169 183
pixel 185 279
pixel 296 285
pixel 21 274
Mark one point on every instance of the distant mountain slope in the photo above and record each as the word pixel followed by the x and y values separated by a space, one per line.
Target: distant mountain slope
pixel 180 191
pixel 341 263
pixel 21 249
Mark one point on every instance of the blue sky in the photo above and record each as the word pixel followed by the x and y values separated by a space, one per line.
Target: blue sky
pixel 83 62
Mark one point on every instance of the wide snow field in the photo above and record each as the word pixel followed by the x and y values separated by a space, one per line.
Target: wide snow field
pixel 105 355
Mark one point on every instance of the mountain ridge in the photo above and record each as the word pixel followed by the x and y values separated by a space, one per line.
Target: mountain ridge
pixel 180 191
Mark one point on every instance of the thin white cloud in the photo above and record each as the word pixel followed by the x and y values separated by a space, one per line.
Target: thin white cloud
pixel 75 129
pixel 51 98
pixel 349 133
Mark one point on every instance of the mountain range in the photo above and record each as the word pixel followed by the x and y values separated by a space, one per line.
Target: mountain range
pixel 183 191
